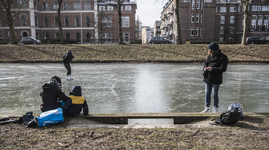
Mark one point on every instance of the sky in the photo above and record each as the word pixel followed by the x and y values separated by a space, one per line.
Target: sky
pixel 149 11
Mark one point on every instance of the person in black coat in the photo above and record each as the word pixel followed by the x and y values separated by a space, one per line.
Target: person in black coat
pixel 52 94
pixel 67 59
pixel 74 105
pixel 213 68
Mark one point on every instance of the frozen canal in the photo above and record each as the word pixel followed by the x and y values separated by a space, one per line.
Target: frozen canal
pixel 135 88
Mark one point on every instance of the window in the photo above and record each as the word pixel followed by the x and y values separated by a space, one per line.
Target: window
pixel 23 20
pixel 198 4
pixel 78 6
pixel 56 22
pixel 125 21
pixel 231 30
pixel 126 37
pixel 265 8
pixel 75 6
pixel 87 21
pixel 54 6
pixel 202 4
pixel 77 23
pixel 67 36
pixel 238 8
pixel 128 8
pixel 201 18
pixel 192 18
pixel 36 21
pixel 66 6
pixel 77 37
pixel 35 6
pixel 193 4
pixel 46 22
pixel 197 18
pixel 266 21
pixel 44 6
pixel 232 19
pixel 221 39
pixel 260 19
pixel 87 6
pixel 107 37
pixel 110 8
pixel 47 35
pixel 23 3
pixel 222 19
pixel 256 8
pixel 191 31
pixel 66 21
pixel 208 1
pixel 223 9
pixel 197 31
pixel 221 30
pixel 232 9
pixel 216 9
pixel 47 6
pixel 88 37
pixel 102 8
pixel 185 1
pixel 107 22
pixel 200 31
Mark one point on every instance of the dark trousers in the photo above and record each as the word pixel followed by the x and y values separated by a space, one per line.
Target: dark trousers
pixel 68 67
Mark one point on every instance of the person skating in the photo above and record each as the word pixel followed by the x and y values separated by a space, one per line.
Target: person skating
pixel 213 68
pixel 74 105
pixel 51 94
pixel 67 59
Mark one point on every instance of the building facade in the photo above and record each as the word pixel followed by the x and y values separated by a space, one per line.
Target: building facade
pixel 157 28
pixel 215 20
pixel 86 21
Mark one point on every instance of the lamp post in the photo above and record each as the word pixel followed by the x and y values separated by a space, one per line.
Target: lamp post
pixel 81 36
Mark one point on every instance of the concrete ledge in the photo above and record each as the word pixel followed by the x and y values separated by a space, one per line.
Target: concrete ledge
pixel 122 118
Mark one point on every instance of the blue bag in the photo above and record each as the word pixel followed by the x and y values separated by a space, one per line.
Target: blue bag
pixel 51 117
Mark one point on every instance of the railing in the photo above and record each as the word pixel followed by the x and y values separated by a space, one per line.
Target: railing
pixel 227 1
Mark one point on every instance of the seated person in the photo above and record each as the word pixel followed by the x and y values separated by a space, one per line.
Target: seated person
pixel 52 94
pixel 75 103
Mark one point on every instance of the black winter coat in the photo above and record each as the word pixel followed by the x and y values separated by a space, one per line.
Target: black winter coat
pixel 51 95
pixel 74 105
pixel 67 58
pixel 219 65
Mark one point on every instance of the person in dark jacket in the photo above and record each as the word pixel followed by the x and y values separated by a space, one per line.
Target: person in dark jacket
pixel 67 59
pixel 52 94
pixel 214 67
pixel 74 105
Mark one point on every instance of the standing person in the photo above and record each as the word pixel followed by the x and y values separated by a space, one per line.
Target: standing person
pixel 52 94
pixel 67 59
pixel 74 105
pixel 214 66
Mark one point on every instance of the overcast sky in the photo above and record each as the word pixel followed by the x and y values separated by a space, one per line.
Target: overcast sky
pixel 149 11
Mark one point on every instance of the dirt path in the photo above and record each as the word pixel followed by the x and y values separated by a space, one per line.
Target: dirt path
pixel 249 133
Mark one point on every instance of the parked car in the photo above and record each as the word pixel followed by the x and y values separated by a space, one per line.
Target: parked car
pixel 30 40
pixel 159 40
pixel 256 40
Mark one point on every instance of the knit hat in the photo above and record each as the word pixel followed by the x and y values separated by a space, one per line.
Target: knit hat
pixel 213 46
pixel 70 51
pixel 55 78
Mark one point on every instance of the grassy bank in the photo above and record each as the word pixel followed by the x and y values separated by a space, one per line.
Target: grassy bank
pixel 130 53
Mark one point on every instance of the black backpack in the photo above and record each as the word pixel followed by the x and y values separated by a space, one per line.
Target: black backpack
pixel 229 117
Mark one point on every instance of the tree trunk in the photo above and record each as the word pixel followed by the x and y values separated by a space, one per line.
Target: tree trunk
pixel 60 23
pixel 11 29
pixel 119 23
pixel 246 4
pixel 178 38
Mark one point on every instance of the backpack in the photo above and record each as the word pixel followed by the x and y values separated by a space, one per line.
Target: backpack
pixel 64 56
pixel 229 117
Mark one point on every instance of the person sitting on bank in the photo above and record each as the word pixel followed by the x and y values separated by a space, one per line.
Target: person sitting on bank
pixel 51 94
pixel 76 103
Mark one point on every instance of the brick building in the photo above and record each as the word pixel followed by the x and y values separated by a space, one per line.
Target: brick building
pixel 90 20
pixel 215 20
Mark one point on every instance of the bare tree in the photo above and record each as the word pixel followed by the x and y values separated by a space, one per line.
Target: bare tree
pixel 118 4
pixel 178 38
pixel 9 12
pixel 246 5
pixel 59 21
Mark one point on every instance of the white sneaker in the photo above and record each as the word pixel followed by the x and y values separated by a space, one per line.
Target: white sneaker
pixel 215 109
pixel 70 77
pixel 206 110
